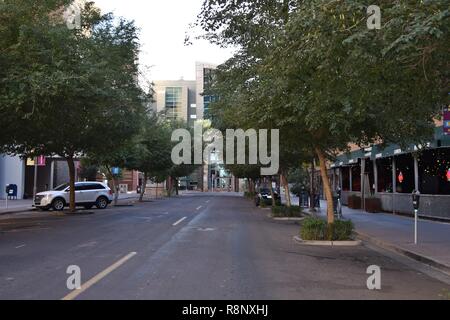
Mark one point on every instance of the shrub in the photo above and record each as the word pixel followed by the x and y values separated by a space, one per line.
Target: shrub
pixel 250 195
pixel 342 230
pixel 317 229
pixel 283 211
pixel 313 229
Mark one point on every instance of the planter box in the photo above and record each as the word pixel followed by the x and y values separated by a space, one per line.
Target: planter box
pixel 373 205
pixel 354 202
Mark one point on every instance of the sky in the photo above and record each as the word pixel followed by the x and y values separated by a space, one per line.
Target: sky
pixel 163 25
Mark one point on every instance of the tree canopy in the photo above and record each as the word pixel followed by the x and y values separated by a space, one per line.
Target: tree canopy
pixel 315 71
pixel 66 91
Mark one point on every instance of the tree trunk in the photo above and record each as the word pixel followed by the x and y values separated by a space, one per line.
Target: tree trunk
pixel 169 186
pixel 326 186
pixel 271 192
pixel 116 190
pixel 114 185
pixel 285 184
pixel 251 186
pixel 312 205
pixel 144 184
pixel 71 165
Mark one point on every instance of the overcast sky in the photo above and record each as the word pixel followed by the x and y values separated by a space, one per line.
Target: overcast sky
pixel 163 25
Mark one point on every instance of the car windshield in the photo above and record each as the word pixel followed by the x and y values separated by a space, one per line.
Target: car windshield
pixel 61 187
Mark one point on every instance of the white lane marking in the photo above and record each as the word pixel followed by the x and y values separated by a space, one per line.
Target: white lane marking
pixel 99 277
pixel 179 221
pixel 21 246
pixel 207 201
pixel 199 208
pixel 88 244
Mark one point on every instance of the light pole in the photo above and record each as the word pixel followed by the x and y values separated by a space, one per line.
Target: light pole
pixel 35 178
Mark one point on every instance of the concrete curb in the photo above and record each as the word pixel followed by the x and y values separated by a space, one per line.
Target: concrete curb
pixel 286 218
pixel 353 243
pixel 413 255
pixel 18 210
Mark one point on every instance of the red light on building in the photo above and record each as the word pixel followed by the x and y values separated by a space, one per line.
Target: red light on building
pixel 448 175
pixel 400 177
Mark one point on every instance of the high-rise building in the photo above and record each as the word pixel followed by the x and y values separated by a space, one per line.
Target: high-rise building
pixel 190 100
pixel 176 98
pixel 204 77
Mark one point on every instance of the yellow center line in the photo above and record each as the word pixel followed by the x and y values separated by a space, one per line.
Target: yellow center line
pixel 98 277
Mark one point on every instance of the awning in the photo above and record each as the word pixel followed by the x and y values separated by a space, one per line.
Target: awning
pixel 379 152
pixel 349 158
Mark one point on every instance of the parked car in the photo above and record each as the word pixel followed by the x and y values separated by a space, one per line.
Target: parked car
pixel 263 195
pixel 87 194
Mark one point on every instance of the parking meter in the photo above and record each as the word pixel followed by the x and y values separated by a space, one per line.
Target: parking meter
pixel 416 199
pixel 416 204
pixel 339 192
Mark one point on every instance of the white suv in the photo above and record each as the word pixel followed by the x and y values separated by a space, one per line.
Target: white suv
pixel 87 194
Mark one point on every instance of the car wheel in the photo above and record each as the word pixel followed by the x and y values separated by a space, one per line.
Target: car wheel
pixel 101 203
pixel 58 204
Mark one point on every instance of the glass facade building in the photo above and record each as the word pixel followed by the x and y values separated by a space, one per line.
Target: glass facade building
pixel 173 102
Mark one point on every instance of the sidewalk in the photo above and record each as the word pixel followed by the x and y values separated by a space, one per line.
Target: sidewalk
pixel 396 233
pixel 17 206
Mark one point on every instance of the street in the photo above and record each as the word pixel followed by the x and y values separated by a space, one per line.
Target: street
pixel 195 246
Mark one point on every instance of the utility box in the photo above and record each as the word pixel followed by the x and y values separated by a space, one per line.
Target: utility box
pixel 123 188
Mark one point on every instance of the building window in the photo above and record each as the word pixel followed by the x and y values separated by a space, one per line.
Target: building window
pixel 345 178
pixel 404 174
pixel 173 101
pixel 384 171
pixel 434 171
pixel 369 176
pixel 356 178
pixel 208 78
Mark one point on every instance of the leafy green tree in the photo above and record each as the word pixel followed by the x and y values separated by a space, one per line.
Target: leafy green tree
pixel 152 155
pixel 73 90
pixel 315 70
pixel 88 171
pixel 115 157
pixel 185 169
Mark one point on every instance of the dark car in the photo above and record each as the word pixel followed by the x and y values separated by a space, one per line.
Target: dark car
pixel 265 196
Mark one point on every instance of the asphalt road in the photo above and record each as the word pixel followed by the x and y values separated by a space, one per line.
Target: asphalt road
pixel 191 247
